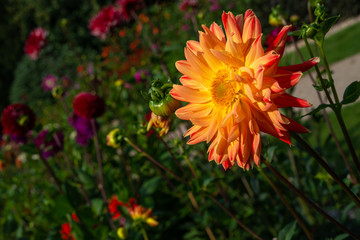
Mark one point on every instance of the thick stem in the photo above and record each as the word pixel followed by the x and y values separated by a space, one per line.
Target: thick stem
pixel 323 85
pixel 308 201
pixel 327 168
pixel 327 68
pixel 143 231
pixel 327 118
pixel 233 216
pixel 140 150
pixel 287 205
pixel 347 139
pixel 101 174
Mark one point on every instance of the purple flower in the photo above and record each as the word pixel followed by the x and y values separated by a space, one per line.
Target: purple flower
pixel 214 6
pixel 49 144
pixel 19 139
pixel 141 75
pixel 84 131
pixel 185 27
pixel 49 82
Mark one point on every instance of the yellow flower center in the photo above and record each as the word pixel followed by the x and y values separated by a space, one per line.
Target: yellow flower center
pixel 222 89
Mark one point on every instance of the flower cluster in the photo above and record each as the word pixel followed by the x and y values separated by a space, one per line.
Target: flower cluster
pixel 235 89
pixel 35 42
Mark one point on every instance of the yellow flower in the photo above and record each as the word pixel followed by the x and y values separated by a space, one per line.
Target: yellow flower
pixel 163 123
pixel 122 233
pixel 141 214
pixel 235 89
pixel 113 139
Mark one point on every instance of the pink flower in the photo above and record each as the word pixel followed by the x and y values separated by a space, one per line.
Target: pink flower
pixel 49 82
pixel 34 42
pixel 102 22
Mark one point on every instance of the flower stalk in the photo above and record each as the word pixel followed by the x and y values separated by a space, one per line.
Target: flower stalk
pixel 101 175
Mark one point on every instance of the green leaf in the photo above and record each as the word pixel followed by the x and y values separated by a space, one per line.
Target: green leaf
pixel 352 93
pixel 270 153
pixel 97 206
pixel 328 23
pixel 320 107
pixel 341 236
pixel 87 180
pixel 287 232
pixel 150 186
pixel 294 33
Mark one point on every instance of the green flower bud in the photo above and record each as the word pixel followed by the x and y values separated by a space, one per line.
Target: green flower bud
pixel 312 30
pixel 57 92
pixel 114 138
pixel 161 102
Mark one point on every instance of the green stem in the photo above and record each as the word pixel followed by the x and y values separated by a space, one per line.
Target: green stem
pixel 143 231
pixel 317 157
pixel 191 167
pixel 348 139
pixel 140 150
pixel 319 74
pixel 327 68
pixel 338 111
pixel 308 201
pixel 287 205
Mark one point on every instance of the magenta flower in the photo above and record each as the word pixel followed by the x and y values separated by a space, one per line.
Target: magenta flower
pixel 35 42
pixel 49 145
pixel 141 75
pixel 84 131
pixel 49 82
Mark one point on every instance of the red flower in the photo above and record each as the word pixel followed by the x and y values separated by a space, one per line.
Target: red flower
pixel 127 7
pixel 102 22
pixel 88 105
pixel 114 207
pixel 65 232
pixel 17 119
pixel 75 217
pixel 35 42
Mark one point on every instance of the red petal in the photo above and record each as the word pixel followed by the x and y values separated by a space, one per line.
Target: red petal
pixel 301 67
pixel 286 100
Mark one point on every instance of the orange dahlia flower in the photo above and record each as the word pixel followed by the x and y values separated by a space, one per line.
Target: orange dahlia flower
pixel 235 89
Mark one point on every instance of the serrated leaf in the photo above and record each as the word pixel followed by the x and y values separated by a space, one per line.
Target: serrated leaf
pixel 320 107
pixel 351 93
pixel 287 232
